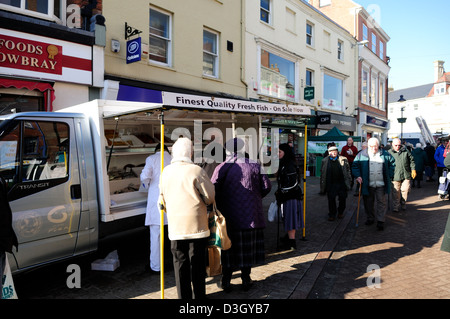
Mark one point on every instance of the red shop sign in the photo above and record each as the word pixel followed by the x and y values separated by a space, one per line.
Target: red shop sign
pixel 30 55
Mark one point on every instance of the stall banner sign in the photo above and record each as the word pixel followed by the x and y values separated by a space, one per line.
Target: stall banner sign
pixel 220 104
pixel 321 147
pixel 134 50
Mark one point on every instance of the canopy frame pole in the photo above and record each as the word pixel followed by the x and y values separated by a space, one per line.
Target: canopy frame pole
pixel 304 181
pixel 162 210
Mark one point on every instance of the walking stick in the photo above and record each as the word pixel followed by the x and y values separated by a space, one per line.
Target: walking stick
pixel 278 225
pixel 359 199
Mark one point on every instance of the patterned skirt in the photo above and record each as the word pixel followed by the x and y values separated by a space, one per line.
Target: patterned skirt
pixel 247 249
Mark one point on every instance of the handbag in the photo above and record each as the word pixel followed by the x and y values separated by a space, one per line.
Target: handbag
pixel 214 267
pixel 218 230
pixel 273 210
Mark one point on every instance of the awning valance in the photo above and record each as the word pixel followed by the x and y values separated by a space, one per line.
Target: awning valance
pixel 46 88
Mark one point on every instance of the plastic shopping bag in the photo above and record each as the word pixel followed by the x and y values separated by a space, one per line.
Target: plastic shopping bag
pixel 8 289
pixel 273 211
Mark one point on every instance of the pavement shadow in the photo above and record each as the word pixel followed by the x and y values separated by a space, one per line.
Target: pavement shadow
pixel 363 252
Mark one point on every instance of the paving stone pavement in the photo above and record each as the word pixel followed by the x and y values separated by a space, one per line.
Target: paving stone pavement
pixel 402 262
pixel 331 260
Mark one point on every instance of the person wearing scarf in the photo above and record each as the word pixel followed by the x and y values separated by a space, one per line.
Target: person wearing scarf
pixel 335 179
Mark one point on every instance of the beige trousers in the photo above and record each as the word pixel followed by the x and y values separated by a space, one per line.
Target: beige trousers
pixel 400 193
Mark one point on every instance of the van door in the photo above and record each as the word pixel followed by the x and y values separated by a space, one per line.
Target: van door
pixel 38 161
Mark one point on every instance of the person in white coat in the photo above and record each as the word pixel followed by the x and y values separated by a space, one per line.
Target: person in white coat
pixel 150 181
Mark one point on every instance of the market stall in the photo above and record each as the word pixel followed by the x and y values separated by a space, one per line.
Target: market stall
pixel 317 146
pixel 130 131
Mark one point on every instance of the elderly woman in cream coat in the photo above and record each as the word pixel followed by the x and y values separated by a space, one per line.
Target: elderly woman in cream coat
pixel 186 190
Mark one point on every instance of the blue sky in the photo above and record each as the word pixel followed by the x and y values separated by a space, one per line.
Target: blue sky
pixel 419 36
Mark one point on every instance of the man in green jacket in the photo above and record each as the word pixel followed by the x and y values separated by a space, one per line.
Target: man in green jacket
pixel 405 170
pixel 373 169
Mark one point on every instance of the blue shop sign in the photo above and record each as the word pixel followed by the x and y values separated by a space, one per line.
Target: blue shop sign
pixel 134 50
pixel 374 121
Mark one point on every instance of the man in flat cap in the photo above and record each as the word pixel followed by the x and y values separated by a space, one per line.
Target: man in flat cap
pixel 335 179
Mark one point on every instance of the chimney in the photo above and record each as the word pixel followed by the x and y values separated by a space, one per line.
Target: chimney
pixel 438 70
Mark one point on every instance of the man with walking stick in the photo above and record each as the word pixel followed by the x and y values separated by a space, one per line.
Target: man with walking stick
pixel 373 168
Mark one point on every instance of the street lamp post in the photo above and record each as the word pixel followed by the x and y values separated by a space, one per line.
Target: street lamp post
pixel 402 119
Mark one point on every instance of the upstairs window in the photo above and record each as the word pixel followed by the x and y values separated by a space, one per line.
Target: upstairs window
pixel 381 50
pixel 365 86
pixel 278 76
pixel 265 8
pixel 333 93
pixel 210 53
pixel 340 50
pixel 365 33
pixel 160 37
pixel 309 34
pixel 309 78
pixel 52 10
pixel 374 43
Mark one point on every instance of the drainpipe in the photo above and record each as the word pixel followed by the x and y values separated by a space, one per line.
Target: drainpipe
pixel 243 47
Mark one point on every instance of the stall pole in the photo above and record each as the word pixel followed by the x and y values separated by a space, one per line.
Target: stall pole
pixel 162 211
pixel 304 180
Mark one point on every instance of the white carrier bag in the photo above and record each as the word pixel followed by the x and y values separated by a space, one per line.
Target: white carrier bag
pixel 9 291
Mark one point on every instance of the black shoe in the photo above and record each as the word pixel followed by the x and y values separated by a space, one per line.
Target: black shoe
pixel 247 284
pixel 150 271
pixel 292 244
pixel 380 226
pixel 226 286
pixel 340 216
pixel 284 239
pixel 369 222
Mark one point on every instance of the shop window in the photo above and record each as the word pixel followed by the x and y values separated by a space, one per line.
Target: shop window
pixel 160 37
pixel 22 96
pixel 332 95
pixel 277 76
pixel 210 53
pixel 20 103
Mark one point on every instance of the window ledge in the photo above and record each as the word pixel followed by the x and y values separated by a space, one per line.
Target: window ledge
pixel 209 77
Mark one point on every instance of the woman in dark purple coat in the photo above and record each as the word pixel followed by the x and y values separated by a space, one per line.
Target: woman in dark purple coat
pixel 240 186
